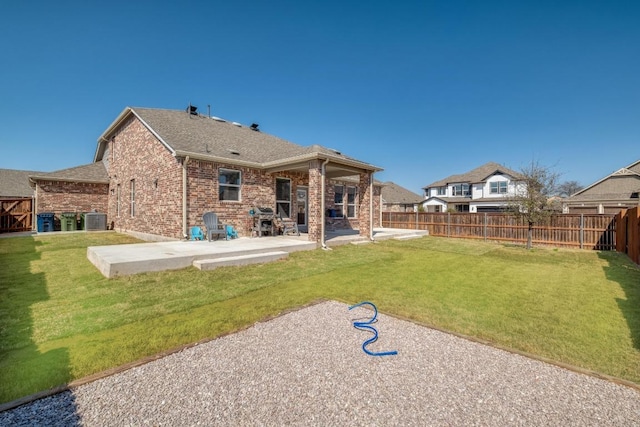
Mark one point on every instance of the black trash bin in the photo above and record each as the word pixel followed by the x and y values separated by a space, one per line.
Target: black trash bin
pixel 45 222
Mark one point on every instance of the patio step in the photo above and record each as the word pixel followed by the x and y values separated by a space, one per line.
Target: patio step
pixel 213 263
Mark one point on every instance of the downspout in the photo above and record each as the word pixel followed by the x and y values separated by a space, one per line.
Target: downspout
pixel 184 197
pixel 322 204
pixel 371 206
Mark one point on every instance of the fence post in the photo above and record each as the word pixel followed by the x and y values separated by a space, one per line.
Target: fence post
pixel 485 226
pixel 448 224
pixel 581 231
pixel 415 227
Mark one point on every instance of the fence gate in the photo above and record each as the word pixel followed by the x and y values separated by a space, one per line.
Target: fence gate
pixel 16 215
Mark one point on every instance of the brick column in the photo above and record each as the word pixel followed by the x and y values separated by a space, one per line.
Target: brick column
pixel 364 210
pixel 315 201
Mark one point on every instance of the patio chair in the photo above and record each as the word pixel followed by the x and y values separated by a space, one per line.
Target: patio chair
pixel 213 227
pixel 288 226
pixel 231 232
pixel 196 233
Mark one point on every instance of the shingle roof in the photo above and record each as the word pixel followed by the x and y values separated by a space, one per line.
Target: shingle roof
pixel 15 183
pixel 616 186
pixel 212 137
pixel 395 194
pixel 479 174
pixel 93 172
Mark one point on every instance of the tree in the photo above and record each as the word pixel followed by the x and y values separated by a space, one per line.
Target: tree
pixel 568 188
pixel 530 201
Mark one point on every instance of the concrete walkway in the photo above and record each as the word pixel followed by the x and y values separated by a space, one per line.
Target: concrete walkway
pixel 121 260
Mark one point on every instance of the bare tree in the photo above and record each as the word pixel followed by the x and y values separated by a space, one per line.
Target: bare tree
pixel 568 188
pixel 530 201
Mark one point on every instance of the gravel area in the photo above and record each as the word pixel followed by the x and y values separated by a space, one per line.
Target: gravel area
pixel 308 368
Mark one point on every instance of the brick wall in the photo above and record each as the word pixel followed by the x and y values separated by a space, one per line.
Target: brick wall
pixel 135 154
pixel 61 197
pixel 258 189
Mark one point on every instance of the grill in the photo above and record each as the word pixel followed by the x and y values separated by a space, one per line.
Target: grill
pixel 263 221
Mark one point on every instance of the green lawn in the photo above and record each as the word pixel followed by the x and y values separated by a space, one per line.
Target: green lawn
pixel 61 320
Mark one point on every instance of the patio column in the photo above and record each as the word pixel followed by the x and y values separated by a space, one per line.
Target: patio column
pixel 315 201
pixel 365 210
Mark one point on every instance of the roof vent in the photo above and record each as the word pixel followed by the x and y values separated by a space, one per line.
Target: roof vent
pixel 236 124
pixel 234 152
pixel 217 119
pixel 634 195
pixel 254 126
pixel 192 109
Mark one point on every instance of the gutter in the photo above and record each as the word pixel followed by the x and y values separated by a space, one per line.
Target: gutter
pixel 184 197
pixel 322 205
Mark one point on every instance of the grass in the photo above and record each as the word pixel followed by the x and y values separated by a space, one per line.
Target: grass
pixel 61 320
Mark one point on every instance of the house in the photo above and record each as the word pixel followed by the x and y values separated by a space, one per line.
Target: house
pixel 156 172
pixel 612 193
pixel 483 189
pixel 398 199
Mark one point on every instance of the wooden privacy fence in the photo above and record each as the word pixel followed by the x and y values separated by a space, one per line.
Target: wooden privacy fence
pixel 568 230
pixel 16 215
pixel 628 236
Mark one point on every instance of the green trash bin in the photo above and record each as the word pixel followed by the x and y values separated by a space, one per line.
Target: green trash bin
pixel 68 221
pixel 81 226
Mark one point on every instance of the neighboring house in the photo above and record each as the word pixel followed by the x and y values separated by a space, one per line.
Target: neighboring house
pixel 612 193
pixel 16 201
pixel 398 199
pixel 156 172
pixel 14 184
pixel 483 189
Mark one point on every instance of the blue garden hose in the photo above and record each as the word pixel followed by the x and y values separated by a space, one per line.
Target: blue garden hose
pixel 366 326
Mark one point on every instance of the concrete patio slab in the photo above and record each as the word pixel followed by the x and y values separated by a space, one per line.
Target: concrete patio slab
pixel 122 260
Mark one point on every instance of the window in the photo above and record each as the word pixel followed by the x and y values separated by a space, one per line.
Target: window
pixel 442 191
pixel 229 184
pixel 283 197
pixel 118 200
pixel 351 202
pixel 498 187
pixel 460 189
pixel 338 200
pixel 133 197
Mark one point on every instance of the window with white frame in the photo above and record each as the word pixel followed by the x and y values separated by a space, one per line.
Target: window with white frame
pixel 460 189
pixel 132 190
pixel 229 181
pixel 442 191
pixel 338 201
pixel 351 202
pixel 498 187
pixel 283 197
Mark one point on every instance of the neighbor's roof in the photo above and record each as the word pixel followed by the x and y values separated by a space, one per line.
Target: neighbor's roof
pixel 619 185
pixel 212 138
pixel 91 173
pixel 15 183
pixel 395 194
pixel 479 174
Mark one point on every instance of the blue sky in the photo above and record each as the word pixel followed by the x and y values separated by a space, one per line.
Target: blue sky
pixel 424 89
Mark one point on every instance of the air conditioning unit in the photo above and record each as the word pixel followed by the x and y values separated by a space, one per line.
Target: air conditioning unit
pixel 94 221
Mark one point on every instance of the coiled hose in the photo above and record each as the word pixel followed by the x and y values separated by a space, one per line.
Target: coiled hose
pixel 366 326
